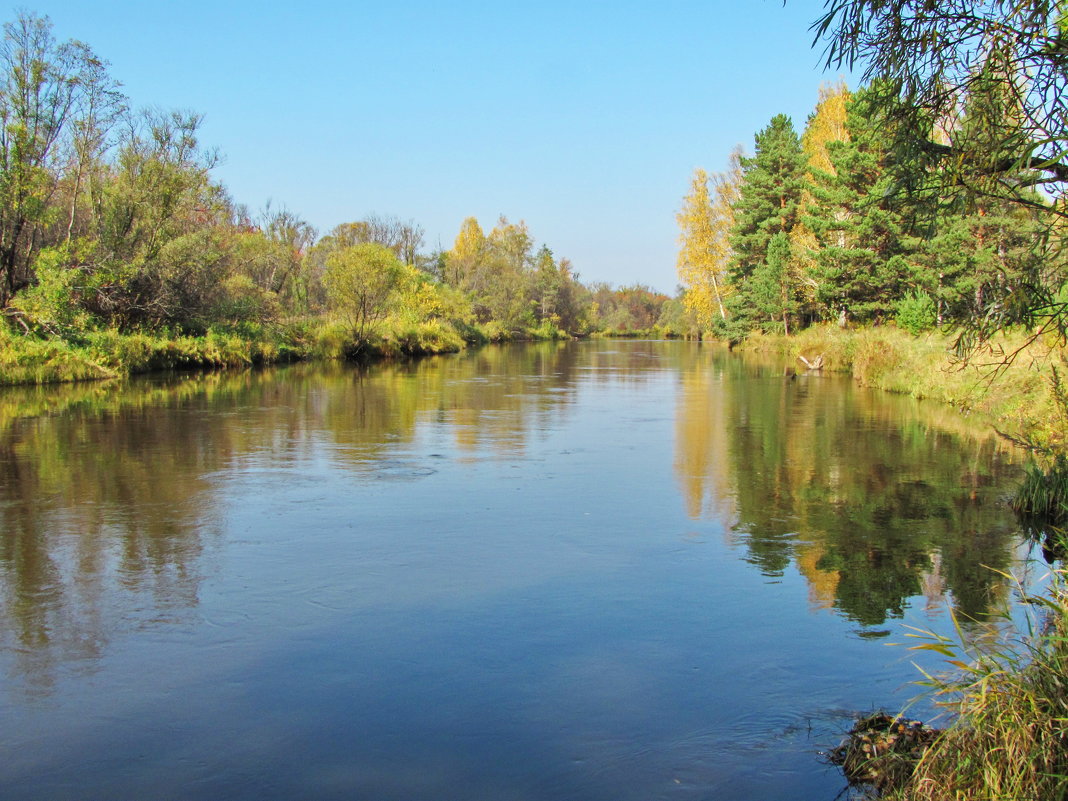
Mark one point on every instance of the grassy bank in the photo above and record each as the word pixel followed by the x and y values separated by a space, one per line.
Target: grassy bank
pixel 1016 398
pixel 109 354
pixel 103 354
pixel 1008 741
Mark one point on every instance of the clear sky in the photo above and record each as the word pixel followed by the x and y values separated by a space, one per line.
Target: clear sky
pixel 586 119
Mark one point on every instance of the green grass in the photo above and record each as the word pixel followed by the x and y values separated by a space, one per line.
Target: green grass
pixel 100 354
pixel 28 360
pixel 1043 494
pixel 111 354
pixel 1009 740
pixel 1017 398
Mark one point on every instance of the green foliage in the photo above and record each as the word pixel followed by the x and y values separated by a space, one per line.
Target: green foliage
pixel 1007 741
pixel 766 211
pixel 361 282
pixel 860 226
pixel 1043 494
pixel 770 289
pixel 916 313
pixel 419 339
pixel 975 96
pixel 625 311
pixel 52 305
pixel 769 199
pixel 677 319
pixel 41 82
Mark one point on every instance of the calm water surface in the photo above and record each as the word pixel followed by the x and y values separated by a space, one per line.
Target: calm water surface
pixel 603 570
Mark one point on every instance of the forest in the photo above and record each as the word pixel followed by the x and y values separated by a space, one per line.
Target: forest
pixel 839 224
pixel 119 250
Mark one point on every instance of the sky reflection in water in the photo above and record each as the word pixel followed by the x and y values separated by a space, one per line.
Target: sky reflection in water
pixel 602 570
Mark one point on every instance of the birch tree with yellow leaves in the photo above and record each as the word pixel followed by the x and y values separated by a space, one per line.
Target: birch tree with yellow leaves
pixel 705 222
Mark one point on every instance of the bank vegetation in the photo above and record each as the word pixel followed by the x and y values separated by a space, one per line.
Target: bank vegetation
pixel 915 233
pixel 121 253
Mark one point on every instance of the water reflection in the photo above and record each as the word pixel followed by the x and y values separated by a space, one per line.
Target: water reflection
pixel 586 562
pixel 867 494
pixel 110 493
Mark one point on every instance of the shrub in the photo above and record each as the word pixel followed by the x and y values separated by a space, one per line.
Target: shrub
pixel 916 313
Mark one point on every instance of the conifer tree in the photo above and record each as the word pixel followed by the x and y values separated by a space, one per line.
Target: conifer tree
pixel 771 286
pixel 769 199
pixel 861 267
pixel 769 203
pixel 984 249
pixel 826 124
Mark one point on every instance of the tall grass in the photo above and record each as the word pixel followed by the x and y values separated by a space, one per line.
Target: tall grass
pixel 1017 398
pixel 1009 741
pixel 111 354
pixel 28 360
pixel 1043 494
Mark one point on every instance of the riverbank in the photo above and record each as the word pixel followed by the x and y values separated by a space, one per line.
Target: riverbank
pixel 1006 741
pixel 1014 396
pixel 108 354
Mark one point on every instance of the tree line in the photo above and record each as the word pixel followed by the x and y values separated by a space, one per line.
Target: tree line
pixel 111 218
pixel 856 220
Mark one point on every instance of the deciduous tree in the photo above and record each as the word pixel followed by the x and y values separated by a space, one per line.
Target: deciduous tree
pixel 705 223
pixel 360 281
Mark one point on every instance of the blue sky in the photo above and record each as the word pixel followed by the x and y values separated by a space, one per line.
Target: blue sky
pixel 585 119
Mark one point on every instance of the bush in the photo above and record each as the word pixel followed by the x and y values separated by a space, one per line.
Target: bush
pixel 916 313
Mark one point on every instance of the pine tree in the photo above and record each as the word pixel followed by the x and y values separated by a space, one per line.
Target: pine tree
pixel 861 267
pixel 983 255
pixel 771 286
pixel 769 199
pixel 768 204
pixel 826 124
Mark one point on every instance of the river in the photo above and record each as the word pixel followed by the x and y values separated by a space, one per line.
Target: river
pixel 602 570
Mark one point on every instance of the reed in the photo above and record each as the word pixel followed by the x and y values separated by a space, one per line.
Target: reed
pixel 1009 739
pixel 1043 493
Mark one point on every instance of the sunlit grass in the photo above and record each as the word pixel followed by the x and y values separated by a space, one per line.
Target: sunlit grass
pixel 1016 396
pixel 111 354
pixel 1009 741
pixel 28 359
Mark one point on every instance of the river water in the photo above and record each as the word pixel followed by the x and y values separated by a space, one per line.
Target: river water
pixel 598 570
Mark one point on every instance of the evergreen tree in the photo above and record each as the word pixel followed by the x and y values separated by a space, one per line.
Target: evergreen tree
pixel 768 204
pixel 771 287
pixel 861 228
pixel 826 124
pixel 770 196
pixel 984 247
